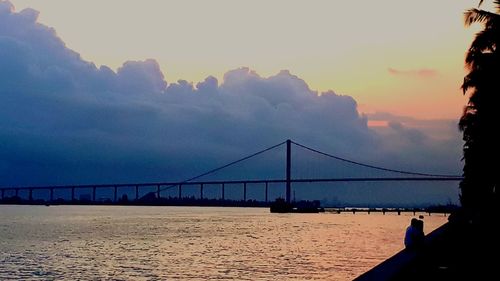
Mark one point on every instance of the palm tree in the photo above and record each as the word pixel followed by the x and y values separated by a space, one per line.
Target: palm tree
pixel 480 122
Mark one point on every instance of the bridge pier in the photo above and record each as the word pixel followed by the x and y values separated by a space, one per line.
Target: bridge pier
pixel 136 192
pixel 266 191
pixel 223 192
pixel 245 192
pixel 180 191
pixel 201 191
pixel 158 191
pixel 31 194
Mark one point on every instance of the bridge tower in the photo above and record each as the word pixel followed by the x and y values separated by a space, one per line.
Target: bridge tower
pixel 288 169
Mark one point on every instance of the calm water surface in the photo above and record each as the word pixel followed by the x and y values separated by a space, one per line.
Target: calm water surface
pixel 192 243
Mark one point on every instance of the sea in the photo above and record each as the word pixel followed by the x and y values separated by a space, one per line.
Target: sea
pixel 194 243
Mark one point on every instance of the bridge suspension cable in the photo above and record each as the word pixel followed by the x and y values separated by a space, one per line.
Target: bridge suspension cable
pixel 225 166
pixel 372 166
pixel 288 180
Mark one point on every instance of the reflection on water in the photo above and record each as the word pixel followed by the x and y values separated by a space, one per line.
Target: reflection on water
pixel 177 243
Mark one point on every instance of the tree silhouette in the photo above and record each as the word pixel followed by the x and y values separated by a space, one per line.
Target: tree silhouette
pixel 480 121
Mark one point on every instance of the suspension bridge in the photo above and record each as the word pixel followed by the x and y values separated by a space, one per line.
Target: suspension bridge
pixel 289 181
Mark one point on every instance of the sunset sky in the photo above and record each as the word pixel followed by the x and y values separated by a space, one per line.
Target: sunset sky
pixel 402 57
pixel 134 91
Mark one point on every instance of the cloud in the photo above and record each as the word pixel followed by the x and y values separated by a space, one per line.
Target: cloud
pixel 440 129
pixel 63 120
pixel 421 73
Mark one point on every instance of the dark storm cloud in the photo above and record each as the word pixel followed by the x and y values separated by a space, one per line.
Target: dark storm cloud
pixel 63 120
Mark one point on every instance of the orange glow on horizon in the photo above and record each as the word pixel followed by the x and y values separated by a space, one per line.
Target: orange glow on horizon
pixel 378 123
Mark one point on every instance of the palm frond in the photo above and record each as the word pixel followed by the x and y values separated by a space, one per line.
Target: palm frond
pixel 478 16
pixel 471 81
pixel 478 60
pixel 468 84
pixel 486 40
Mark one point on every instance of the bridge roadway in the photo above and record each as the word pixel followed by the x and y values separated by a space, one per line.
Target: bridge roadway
pixel 162 186
pixel 288 181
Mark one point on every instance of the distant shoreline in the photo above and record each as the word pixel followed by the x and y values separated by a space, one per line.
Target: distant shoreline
pixel 194 202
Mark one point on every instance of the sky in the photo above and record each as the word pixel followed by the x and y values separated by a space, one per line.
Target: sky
pixel 396 56
pixel 117 91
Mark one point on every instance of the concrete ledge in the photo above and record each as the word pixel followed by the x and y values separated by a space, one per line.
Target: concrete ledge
pixel 406 261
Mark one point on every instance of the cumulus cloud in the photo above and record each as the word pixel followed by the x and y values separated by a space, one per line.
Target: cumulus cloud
pixel 422 73
pixel 63 120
